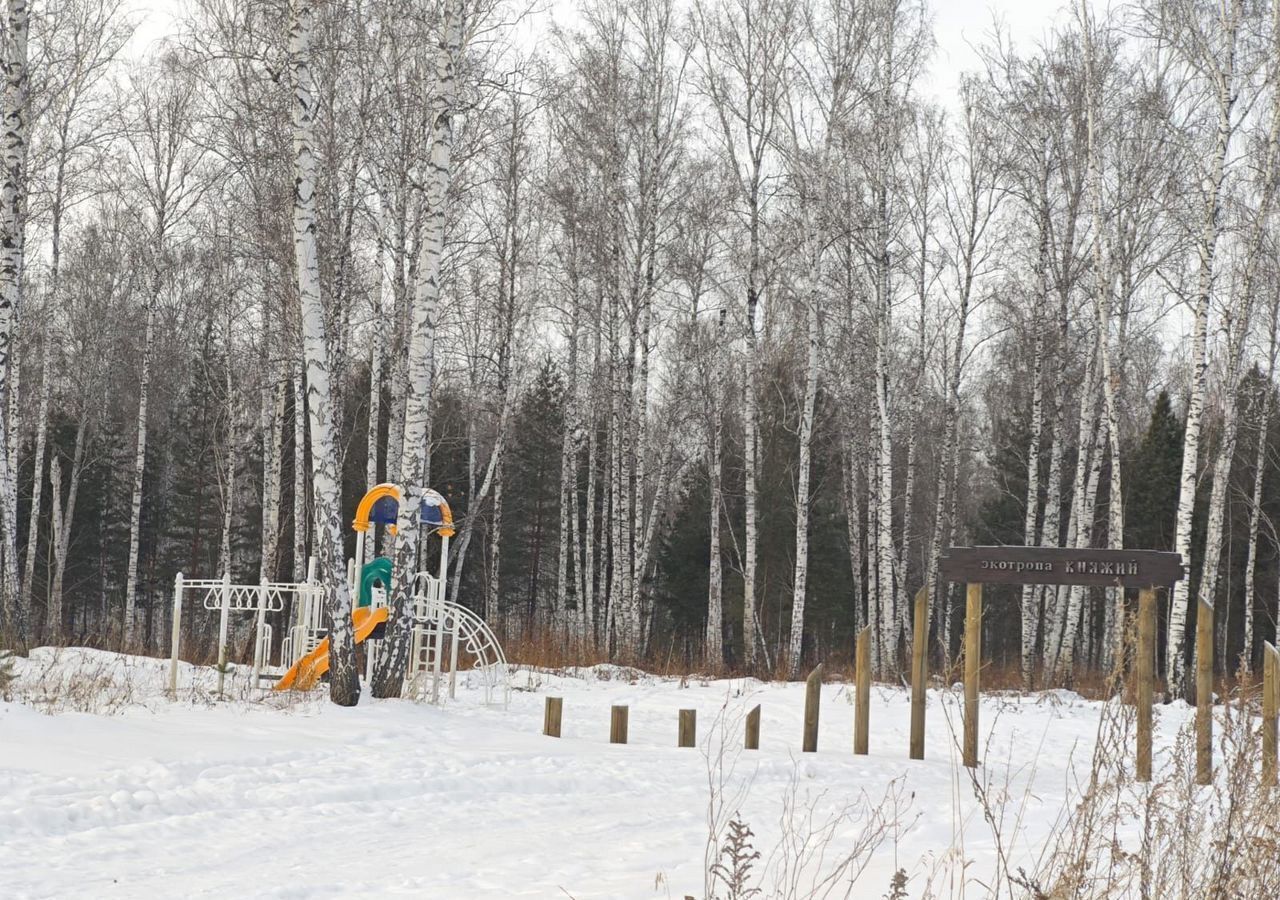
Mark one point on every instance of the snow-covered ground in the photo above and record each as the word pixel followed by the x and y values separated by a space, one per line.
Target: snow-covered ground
pixel 297 798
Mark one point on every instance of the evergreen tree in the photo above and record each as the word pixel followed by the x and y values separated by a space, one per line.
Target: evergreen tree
pixel 531 517
pixel 1151 484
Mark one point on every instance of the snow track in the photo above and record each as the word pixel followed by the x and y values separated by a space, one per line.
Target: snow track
pixel 399 799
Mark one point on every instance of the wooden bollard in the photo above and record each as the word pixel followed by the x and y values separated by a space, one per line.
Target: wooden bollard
pixel 862 692
pixel 688 731
pixel 919 671
pixel 1204 693
pixel 551 716
pixel 752 741
pixel 1270 702
pixel 618 725
pixel 812 692
pixel 1144 673
pixel 972 667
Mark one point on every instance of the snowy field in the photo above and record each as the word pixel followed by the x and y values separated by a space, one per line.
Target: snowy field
pixel 297 798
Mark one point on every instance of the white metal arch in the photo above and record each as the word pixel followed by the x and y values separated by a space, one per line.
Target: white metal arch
pixel 447 635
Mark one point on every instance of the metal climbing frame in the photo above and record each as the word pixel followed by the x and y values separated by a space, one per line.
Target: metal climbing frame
pixel 442 628
pixel 257 599
pixel 445 634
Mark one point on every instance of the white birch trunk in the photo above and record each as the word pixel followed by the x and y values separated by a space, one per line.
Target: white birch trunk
pixel 587 561
pixel 1260 453
pixel 300 516
pixel 1206 249
pixel 853 525
pixel 1051 529
pixel 63 518
pixel 344 682
pixel 272 437
pixel 567 537
pixel 12 195
pixel 714 642
pixel 230 451
pixel 414 452
pixel 481 494
pixel 874 609
pixel 139 467
pixel 385 297
pixel 801 576
pixel 638 412
pixel 1264 417
pixel 1103 265
pixel 1238 323
pixel 886 592
pixel 1030 536
pixel 1088 464
pixel 1255 514
pixel 916 406
pixel 492 606
pixel 38 464
pixel 750 627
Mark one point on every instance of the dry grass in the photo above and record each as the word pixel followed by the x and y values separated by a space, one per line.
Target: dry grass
pixel 823 847
pixel 57 680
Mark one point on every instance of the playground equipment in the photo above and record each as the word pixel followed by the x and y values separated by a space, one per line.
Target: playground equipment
pixel 445 634
pixel 304 673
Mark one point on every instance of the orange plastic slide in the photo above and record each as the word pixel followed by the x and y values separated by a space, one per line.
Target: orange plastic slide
pixel 303 674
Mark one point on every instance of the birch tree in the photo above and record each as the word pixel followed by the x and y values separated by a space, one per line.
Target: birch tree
pixel 163 169
pixel 455 23
pixel 13 108
pixel 1207 48
pixel 78 46
pixel 744 46
pixel 344 682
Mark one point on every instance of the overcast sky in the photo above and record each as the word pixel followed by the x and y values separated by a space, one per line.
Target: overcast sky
pixel 958 25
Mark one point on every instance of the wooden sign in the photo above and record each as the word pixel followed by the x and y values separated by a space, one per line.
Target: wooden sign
pixel 1058 565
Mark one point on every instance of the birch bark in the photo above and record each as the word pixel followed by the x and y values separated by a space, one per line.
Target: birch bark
pixel 1265 404
pixel 1103 295
pixel 1225 96
pixel 414 462
pixel 139 468
pixel 715 587
pixel 13 152
pixel 1237 323
pixel 63 514
pixel 801 575
pixel 300 517
pixel 568 539
pixel 344 682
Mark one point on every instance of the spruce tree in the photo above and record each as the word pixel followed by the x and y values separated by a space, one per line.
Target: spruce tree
pixel 1151 484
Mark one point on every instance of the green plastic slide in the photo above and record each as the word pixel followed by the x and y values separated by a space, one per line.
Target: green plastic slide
pixel 378 570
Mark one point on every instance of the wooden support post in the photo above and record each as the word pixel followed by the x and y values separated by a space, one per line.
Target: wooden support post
pixel 1204 693
pixel 1144 673
pixel 1270 701
pixel 688 732
pixel 752 741
pixel 862 692
pixel 919 671
pixel 972 666
pixel 812 691
pixel 551 716
pixel 618 725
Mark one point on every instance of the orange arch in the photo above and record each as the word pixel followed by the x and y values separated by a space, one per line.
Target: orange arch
pixel 375 493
